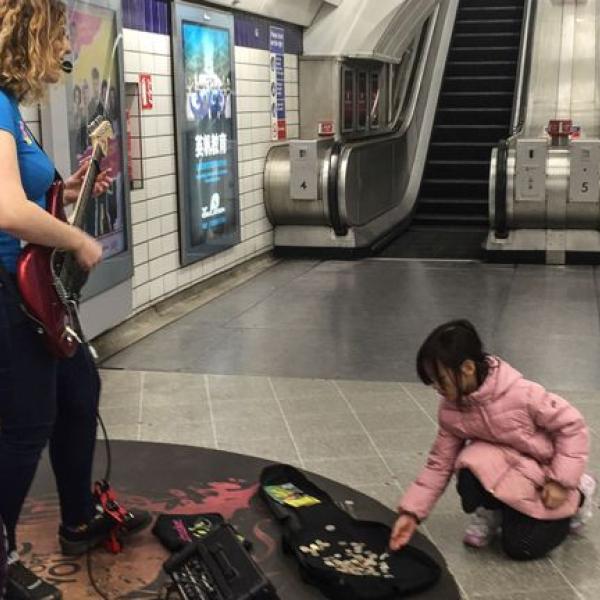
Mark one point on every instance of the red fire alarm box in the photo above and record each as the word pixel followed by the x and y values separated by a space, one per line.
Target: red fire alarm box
pixel 146 91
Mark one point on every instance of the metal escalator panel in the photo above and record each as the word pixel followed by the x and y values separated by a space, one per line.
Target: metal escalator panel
pixel 474 113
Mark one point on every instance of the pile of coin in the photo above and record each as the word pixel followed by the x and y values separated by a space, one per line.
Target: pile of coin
pixel 350 558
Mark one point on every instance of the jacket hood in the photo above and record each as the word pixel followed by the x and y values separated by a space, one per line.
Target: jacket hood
pixel 500 378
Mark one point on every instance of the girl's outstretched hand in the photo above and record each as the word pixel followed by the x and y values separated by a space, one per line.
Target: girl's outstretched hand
pixel 403 530
pixel 554 495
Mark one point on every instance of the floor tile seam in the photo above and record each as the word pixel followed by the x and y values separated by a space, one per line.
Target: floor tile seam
pixel 210 412
pixel 287 425
pixel 566 579
pixel 273 291
pixel 365 430
pixel 314 464
pixel 504 308
pixel 417 403
pixel 141 406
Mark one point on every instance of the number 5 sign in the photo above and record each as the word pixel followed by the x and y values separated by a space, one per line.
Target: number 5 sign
pixel 146 91
pixel 585 171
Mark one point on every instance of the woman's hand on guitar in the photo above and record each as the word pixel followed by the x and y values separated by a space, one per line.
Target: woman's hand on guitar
pixel 74 183
pixel 88 252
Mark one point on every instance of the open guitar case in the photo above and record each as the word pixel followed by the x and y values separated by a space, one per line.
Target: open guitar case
pixel 346 558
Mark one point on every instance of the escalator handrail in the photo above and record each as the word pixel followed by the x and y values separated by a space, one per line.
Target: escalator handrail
pixel 407 121
pixel 500 206
pixel 333 203
pixel 524 67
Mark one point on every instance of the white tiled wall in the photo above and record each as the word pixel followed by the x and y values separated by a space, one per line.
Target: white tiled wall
pixel 154 208
pixel 31 116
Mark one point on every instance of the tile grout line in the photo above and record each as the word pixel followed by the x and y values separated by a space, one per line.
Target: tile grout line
pixel 141 407
pixel 210 411
pixel 287 424
pixel 366 432
pixel 566 579
pixel 414 399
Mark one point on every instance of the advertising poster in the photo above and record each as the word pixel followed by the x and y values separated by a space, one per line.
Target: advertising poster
pixel 92 91
pixel 277 61
pixel 207 131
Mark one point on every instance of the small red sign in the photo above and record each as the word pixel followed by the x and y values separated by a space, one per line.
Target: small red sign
pixel 560 127
pixel 325 128
pixel 147 101
pixel 281 129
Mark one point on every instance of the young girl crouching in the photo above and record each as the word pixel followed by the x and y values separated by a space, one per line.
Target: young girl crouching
pixel 520 452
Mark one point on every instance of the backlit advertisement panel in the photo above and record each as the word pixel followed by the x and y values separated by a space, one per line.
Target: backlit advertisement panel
pixel 207 149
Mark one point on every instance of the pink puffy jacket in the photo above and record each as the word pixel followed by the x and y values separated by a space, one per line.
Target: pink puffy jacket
pixel 514 436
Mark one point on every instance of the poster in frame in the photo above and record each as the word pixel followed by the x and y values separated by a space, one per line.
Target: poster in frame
pixel 205 114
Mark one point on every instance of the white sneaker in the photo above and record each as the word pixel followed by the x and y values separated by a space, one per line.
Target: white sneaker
pixel 482 528
pixel 587 486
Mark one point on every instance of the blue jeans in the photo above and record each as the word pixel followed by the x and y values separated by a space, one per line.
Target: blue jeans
pixel 43 399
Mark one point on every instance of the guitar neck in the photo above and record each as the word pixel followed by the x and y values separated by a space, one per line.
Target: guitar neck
pixel 87 189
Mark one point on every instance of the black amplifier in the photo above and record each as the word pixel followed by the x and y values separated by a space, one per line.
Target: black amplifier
pixel 218 567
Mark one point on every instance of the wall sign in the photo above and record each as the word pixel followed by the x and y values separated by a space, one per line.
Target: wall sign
pixel 206 131
pixel 147 100
pixel 277 62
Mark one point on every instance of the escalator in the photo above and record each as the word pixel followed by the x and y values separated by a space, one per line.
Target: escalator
pixel 474 112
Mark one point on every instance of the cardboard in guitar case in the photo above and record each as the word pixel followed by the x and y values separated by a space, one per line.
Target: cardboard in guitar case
pixel 218 567
pixel 346 558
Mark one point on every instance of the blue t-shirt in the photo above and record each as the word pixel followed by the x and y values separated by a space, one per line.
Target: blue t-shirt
pixel 37 170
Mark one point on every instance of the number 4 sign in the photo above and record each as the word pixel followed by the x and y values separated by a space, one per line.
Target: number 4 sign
pixel 146 91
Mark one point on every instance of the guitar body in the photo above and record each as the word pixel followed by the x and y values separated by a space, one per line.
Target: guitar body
pixel 41 289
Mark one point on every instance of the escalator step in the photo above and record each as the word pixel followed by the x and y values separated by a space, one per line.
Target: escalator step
pixel 489 13
pixel 474 116
pixel 453 206
pixel 484 54
pixel 454 220
pixel 455 188
pixel 475 83
pixel 485 99
pixel 471 151
pixel 465 68
pixel 466 169
pixel 468 133
pixel 470 40
pixel 485 26
pixel 485 3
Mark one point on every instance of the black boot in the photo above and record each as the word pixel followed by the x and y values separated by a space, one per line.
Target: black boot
pixel 77 541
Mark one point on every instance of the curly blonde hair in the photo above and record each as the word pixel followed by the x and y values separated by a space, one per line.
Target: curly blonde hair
pixel 30 31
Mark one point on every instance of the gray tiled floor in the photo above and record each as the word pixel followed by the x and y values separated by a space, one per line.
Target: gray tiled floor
pixel 313 364
pixel 365 320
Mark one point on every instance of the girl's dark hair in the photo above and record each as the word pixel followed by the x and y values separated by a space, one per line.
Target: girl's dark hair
pixel 449 345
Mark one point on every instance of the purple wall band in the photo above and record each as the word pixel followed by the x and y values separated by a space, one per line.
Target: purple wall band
pixel 251 31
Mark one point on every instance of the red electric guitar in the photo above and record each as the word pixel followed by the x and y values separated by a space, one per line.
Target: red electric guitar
pixel 50 280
